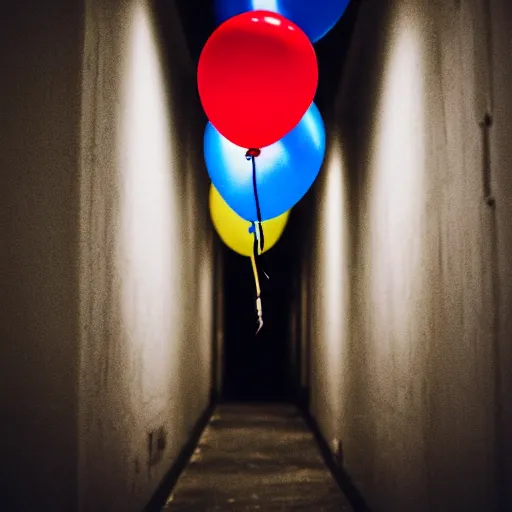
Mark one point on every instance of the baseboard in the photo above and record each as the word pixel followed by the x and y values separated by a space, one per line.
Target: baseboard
pixel 340 475
pixel 168 483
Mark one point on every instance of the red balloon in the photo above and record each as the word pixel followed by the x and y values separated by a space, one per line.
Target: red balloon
pixel 257 76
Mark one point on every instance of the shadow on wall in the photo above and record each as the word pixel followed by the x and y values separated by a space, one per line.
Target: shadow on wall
pixel 40 59
pixel 403 363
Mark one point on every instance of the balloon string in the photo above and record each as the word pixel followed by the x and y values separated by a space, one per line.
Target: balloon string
pixel 255 245
pixel 259 239
pixel 256 198
pixel 259 308
pixel 256 278
pixel 256 242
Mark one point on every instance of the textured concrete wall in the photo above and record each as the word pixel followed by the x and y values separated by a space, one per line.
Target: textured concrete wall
pixel 40 66
pixel 405 365
pixel 146 269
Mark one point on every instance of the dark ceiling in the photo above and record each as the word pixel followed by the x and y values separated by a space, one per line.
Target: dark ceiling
pixel 198 20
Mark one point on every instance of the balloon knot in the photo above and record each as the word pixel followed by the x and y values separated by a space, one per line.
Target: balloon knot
pixel 252 153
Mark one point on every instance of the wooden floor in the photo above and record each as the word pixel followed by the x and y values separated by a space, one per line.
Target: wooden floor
pixel 256 458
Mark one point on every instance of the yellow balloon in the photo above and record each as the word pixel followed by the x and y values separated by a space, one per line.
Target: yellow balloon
pixel 234 231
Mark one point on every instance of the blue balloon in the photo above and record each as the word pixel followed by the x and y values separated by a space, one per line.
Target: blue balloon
pixel 285 170
pixel 314 17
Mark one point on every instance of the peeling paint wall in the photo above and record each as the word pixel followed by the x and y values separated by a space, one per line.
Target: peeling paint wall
pixel 40 67
pixel 146 272
pixel 404 332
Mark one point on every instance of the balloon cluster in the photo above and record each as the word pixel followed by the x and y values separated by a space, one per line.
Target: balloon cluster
pixel 264 143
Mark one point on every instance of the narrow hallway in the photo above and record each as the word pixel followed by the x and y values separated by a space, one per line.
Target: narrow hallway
pixel 256 457
pixel 126 317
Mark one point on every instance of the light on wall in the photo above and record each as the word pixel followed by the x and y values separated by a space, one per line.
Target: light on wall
pixel 333 219
pixel 397 169
pixel 149 257
pixel 331 283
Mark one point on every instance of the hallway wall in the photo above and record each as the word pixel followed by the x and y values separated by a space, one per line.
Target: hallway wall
pixel 146 245
pixel 40 68
pixel 501 162
pixel 405 281
pixel 106 253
